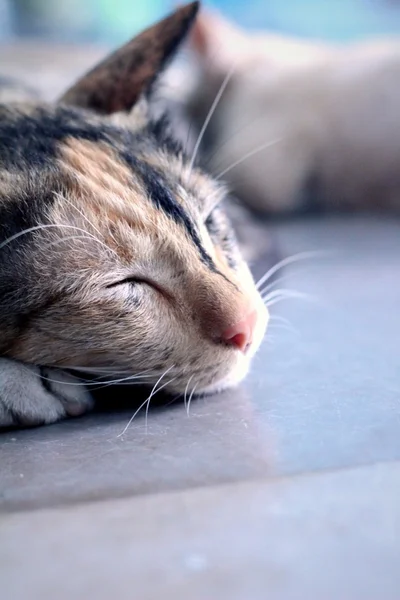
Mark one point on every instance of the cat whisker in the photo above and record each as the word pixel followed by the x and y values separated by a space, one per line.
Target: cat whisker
pixel 190 399
pixel 285 293
pixel 139 379
pixel 248 155
pixel 228 139
pixel 210 113
pixel 127 384
pixel 132 417
pixel 51 226
pixel 285 277
pixel 189 131
pixel 155 391
pixel 276 301
pixel 131 380
pixel 290 260
pixel 141 375
pixel 50 379
pixel 92 370
pixel 106 370
pixel 272 285
pixel 89 383
pixel 271 302
pixel 278 320
pixel 146 401
pixel 186 390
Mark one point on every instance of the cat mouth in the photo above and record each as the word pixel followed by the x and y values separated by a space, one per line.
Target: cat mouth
pixel 207 377
pixel 217 382
pixel 233 379
pixel 230 377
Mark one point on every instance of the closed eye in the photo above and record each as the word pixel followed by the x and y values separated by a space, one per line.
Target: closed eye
pixel 132 281
pixel 141 281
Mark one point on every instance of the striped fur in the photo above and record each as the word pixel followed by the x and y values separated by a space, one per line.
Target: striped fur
pixel 134 267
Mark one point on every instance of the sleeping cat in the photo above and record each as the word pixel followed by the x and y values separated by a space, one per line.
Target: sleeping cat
pixel 306 124
pixel 114 253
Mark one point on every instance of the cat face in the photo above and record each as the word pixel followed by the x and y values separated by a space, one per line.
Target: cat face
pixel 114 252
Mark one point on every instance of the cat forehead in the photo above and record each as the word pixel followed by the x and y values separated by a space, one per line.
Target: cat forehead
pixel 33 138
pixel 31 135
pixel 48 153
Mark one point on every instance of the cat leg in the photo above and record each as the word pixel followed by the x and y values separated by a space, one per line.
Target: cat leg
pixel 31 395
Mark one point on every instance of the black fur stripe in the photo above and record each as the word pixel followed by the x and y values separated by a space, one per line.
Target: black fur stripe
pixel 163 198
pixel 30 143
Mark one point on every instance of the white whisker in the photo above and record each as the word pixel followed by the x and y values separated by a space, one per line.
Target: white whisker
pixel 190 399
pixel 131 380
pixel 186 390
pixel 229 138
pixel 153 393
pixel 145 402
pixel 143 382
pixel 89 382
pixel 248 155
pixel 140 375
pixel 279 321
pixel 286 293
pixel 288 261
pixel 209 116
pixel 132 417
pixel 275 282
pixel 278 299
pixel 91 370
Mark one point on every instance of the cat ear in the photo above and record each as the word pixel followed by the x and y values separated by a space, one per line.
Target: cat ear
pixel 118 82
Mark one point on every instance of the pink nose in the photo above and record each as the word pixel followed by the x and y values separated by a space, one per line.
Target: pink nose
pixel 240 335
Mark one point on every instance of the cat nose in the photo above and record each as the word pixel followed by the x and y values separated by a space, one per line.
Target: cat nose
pixel 240 335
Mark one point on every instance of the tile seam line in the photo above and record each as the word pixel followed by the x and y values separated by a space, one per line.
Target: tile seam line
pixel 278 479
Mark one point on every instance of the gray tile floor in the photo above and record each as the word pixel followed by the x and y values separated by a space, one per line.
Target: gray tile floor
pixel 286 488
pixel 332 536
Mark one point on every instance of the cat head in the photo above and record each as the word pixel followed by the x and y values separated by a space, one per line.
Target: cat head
pixel 113 250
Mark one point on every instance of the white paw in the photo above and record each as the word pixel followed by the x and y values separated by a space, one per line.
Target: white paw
pixel 31 395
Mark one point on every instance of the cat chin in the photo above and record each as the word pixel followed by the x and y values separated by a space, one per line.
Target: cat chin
pixel 233 379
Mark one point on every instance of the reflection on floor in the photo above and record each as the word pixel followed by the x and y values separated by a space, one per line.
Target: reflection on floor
pixel 286 488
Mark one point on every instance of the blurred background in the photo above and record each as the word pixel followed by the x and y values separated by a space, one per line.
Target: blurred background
pixel 113 21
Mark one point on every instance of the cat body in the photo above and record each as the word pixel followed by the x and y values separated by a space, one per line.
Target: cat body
pixel 114 254
pixel 324 118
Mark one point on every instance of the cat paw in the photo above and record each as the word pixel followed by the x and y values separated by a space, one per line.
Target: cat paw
pixel 31 395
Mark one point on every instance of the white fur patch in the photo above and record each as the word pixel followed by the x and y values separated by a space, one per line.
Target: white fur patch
pixel 25 400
